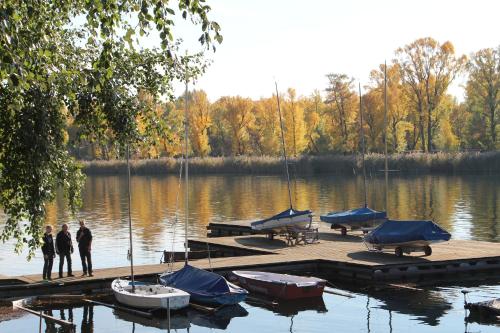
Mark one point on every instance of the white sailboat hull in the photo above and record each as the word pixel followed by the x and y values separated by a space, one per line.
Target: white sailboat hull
pixel 149 296
pixel 280 224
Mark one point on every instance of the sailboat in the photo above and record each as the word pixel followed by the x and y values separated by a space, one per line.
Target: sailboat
pixel 204 287
pixel 360 218
pixel 145 295
pixel 291 216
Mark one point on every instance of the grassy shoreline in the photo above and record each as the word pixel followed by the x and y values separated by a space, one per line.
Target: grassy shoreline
pixel 414 163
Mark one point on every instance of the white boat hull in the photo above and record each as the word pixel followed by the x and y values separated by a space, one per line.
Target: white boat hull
pixel 149 296
pixel 279 225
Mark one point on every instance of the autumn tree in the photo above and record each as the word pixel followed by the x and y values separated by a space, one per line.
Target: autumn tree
pixel 483 88
pixel 235 117
pixel 293 118
pixel 427 69
pixel 199 122
pixel 313 109
pixel 265 131
pixel 343 105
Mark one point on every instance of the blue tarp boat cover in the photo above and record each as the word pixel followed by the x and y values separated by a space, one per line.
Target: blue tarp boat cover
pixel 394 232
pixel 196 281
pixel 353 215
pixel 286 213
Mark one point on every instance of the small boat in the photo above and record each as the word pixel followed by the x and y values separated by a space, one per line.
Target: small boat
pixel 204 287
pixel 406 236
pixel 281 286
pixel 149 296
pixel 483 310
pixel 361 218
pixel 287 218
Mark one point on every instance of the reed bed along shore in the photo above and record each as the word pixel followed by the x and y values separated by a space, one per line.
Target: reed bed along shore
pixel 412 163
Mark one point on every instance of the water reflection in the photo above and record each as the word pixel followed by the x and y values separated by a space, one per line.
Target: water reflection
pixel 467 206
pixel 426 306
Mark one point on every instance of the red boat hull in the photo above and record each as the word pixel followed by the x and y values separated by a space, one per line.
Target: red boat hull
pixel 281 290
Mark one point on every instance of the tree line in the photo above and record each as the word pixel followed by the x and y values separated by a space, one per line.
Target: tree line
pixel 421 114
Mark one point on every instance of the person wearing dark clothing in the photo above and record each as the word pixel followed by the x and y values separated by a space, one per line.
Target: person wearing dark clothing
pixel 84 239
pixel 48 253
pixel 64 248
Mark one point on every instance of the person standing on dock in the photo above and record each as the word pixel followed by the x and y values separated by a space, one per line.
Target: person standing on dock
pixel 64 248
pixel 48 253
pixel 84 239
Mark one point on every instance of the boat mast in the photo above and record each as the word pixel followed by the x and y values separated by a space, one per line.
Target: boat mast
pixel 362 142
pixel 284 148
pixel 386 168
pixel 186 156
pixel 130 222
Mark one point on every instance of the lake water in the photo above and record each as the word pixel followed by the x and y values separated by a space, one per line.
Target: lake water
pixel 467 206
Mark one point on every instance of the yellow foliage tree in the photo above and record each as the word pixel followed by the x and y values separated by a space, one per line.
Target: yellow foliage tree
pixel 199 122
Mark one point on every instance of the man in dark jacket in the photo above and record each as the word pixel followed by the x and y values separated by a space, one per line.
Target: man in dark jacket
pixel 48 253
pixel 84 239
pixel 64 248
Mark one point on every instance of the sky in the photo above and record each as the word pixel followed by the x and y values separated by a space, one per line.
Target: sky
pixel 297 42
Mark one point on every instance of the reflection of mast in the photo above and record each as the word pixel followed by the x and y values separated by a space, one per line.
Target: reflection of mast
pixel 368 313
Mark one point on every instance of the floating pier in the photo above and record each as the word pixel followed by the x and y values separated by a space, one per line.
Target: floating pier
pixel 335 257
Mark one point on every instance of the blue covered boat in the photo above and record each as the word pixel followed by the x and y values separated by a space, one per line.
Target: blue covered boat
pixel 287 218
pixel 406 236
pixel 204 287
pixel 360 218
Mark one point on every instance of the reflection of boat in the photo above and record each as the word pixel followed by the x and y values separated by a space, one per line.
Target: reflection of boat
pixel 426 305
pixel 218 320
pixel 360 218
pixel 177 320
pixel 149 296
pixel 288 309
pixel 184 319
pixel 204 287
pixel 287 218
pixel 282 286
pixel 406 236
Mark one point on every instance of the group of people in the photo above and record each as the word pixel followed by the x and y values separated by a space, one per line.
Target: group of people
pixel 63 247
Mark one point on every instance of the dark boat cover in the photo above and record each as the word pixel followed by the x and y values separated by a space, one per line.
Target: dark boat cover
pixel 286 213
pixel 353 215
pixel 394 232
pixel 196 281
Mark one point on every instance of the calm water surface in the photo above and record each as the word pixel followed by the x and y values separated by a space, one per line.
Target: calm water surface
pixel 467 206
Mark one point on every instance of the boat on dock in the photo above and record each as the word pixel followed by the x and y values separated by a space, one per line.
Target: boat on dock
pixel 280 286
pixel 204 287
pixel 406 236
pixel 287 218
pixel 363 218
pixel 360 218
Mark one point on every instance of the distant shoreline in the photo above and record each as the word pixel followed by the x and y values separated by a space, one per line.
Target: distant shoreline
pixel 412 163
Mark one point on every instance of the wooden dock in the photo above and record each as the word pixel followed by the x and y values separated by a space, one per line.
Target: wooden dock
pixel 334 256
